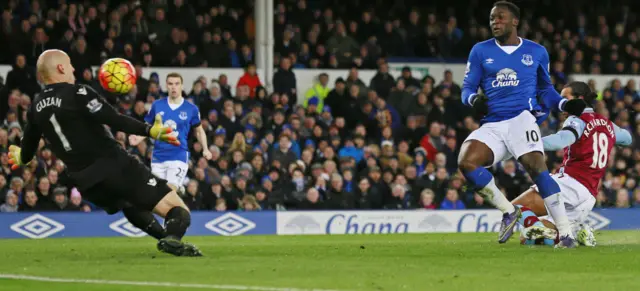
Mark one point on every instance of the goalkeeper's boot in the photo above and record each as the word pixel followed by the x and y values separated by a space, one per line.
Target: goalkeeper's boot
pixel 190 250
pixel 509 222
pixel 586 236
pixel 174 246
pixel 171 245
pixel 536 232
pixel 566 242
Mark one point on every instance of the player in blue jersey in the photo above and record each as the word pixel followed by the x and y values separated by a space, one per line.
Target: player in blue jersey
pixel 170 162
pixel 514 76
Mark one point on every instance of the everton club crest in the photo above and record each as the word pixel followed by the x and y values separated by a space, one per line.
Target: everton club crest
pixel 527 60
pixel 183 115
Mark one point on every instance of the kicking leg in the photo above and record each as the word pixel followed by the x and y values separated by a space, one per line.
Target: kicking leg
pixel 177 219
pixel 474 156
pixel 145 221
pixel 550 191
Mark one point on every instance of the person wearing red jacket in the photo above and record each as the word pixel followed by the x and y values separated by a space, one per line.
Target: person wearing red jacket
pixel 251 79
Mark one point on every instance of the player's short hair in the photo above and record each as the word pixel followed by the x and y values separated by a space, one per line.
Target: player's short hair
pixel 175 75
pixel 582 89
pixel 513 8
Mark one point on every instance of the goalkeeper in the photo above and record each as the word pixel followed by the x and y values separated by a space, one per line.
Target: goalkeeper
pixel 71 119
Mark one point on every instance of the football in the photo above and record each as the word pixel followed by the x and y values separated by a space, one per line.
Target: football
pixel 117 75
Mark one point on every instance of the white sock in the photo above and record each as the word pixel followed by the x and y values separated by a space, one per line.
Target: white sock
pixel 555 207
pixel 495 197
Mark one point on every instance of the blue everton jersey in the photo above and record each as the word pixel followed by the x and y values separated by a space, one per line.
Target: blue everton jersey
pixel 514 79
pixel 181 120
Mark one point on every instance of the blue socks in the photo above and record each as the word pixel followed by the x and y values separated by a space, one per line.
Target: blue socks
pixel 479 178
pixel 546 185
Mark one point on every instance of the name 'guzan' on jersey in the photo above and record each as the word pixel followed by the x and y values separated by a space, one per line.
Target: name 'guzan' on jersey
pixel 512 77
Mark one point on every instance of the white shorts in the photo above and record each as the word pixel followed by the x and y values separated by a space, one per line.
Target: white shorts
pixel 172 171
pixel 577 199
pixel 510 138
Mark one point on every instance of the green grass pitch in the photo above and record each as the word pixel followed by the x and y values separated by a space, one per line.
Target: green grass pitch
pixel 356 262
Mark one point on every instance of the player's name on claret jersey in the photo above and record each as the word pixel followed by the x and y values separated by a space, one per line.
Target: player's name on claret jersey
pixel 49 101
pixel 598 122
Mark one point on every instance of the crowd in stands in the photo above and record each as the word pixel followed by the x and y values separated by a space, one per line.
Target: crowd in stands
pixel 348 143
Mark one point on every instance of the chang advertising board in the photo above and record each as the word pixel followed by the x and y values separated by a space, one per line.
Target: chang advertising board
pixel 386 222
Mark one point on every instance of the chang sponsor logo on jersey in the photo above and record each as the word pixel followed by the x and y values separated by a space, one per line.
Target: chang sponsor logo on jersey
pixel 506 78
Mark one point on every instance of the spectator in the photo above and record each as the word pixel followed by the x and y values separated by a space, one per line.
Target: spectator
pixel 193 198
pixel 22 77
pixel 427 199
pixel 249 203
pixel 251 79
pixel 30 203
pixel 318 93
pixel 400 198
pixel 452 201
pixel 284 81
pixel 342 45
pixel 383 82
pixel 11 202
pixel 312 201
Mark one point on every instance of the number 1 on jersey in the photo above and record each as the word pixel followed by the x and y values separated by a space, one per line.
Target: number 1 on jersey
pixel 58 130
pixel 600 153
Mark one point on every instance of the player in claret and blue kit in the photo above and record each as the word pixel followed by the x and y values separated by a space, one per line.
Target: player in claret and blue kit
pixel 517 94
pixel 587 141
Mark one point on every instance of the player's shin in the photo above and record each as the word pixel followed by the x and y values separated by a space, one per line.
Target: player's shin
pixel 145 221
pixel 177 221
pixel 550 192
pixel 484 183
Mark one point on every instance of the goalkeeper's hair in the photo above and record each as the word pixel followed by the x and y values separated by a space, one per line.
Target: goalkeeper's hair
pixel 513 8
pixel 582 89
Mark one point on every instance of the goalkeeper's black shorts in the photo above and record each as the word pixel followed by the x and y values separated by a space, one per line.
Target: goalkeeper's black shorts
pixel 118 182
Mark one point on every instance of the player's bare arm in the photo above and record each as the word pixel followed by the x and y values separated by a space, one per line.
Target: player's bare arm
pixel 201 135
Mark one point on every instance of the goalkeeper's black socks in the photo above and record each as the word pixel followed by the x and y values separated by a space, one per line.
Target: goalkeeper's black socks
pixel 176 222
pixel 145 221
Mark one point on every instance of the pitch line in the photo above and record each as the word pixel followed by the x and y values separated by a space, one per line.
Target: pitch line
pixel 152 284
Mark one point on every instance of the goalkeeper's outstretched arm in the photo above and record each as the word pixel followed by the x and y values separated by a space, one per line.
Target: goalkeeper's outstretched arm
pixel 30 139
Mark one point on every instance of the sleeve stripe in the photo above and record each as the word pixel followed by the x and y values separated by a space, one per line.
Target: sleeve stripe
pixel 470 98
pixel 572 130
pixel 561 104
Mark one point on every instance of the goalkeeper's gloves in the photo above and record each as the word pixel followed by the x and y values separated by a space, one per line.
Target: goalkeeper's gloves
pixel 14 157
pixel 479 104
pixel 574 106
pixel 162 133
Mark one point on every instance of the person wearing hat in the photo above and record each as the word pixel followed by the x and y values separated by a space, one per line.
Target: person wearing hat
pixel 337 95
pixel 383 81
pixel 319 92
pixel 219 138
pixel 250 135
pixel 350 150
pixel 325 116
pixel 408 78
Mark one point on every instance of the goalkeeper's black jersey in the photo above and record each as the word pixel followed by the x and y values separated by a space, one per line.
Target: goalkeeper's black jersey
pixel 71 119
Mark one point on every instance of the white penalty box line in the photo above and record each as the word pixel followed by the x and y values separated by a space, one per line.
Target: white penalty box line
pixel 151 284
